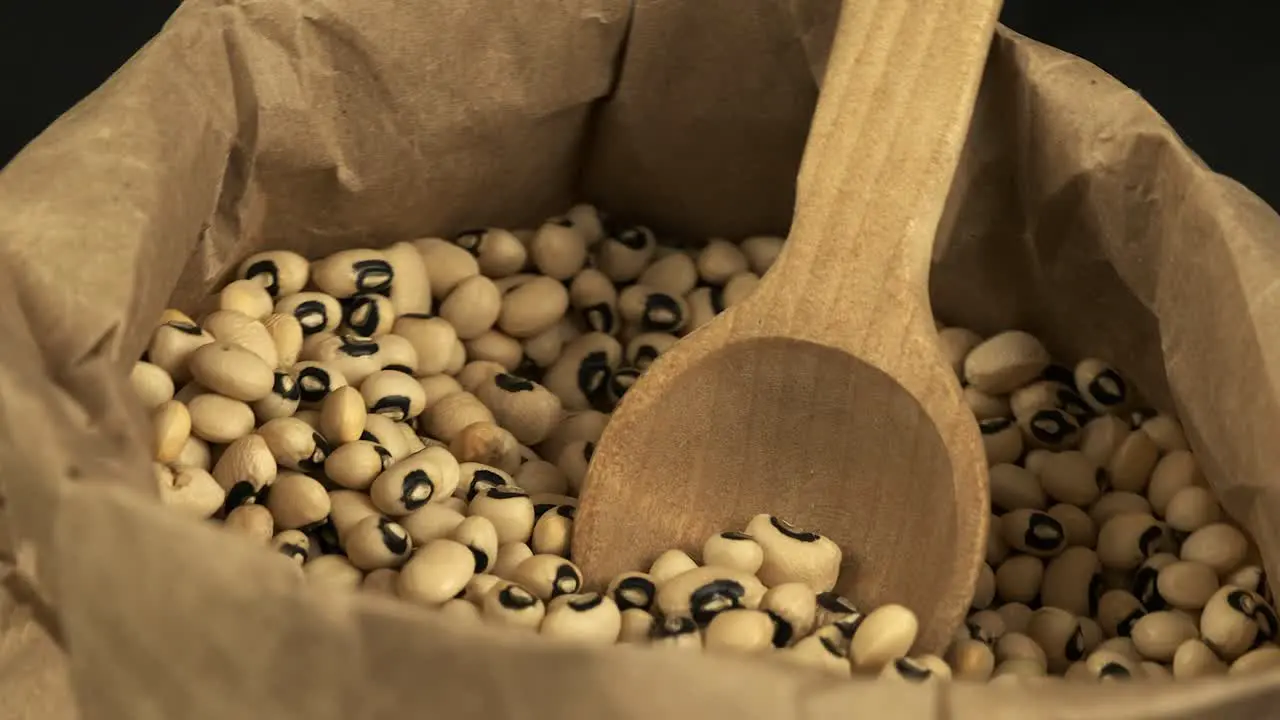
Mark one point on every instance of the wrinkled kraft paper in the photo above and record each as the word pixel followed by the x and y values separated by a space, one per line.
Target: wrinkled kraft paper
pixel 319 124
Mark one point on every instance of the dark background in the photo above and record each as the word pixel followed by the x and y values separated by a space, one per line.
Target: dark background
pixel 1209 67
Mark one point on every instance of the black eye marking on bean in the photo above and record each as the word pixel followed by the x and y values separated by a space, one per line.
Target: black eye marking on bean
pixel 633 237
pixel 782 630
pixel 362 314
pixel 396 542
pixel 514 597
pixel 312 315
pixel 481 557
pixel 370 437
pixel 1125 626
pixel 835 603
pixel 1108 388
pixel 1114 670
pixel 482 480
pixel 590 601
pixel 1262 615
pixel 661 312
pixel 645 355
pixel 1072 403
pixel 268 268
pixel 1075 646
pixel 588 451
pixel 599 317
pixel 505 492
pixel 1140 416
pixel 1150 541
pixel 1044 532
pixel 979 633
pixel 735 535
pixel 831 647
pixel 911 671
pixel 313 384
pixel 395 407
pixel 714 598
pixel 285 386
pixel 399 368
pixel 621 382
pixel 527 369
pixel 635 592
pixel 416 489
pixel 373 275
pixel 593 372
pixel 991 426
pixel 384 456
pixel 1145 589
pixel 567 581
pixel 541 509
pixel 1097 586
pixel 357 346
pixel 325 534
pixel 319 452
pixel 294 551
pixel 512 383
pixel 185 327
pixel 717 299
pixel 416 315
pixel 561 221
pixel 1102 479
pixel 566 511
pixel 673 627
pixel 241 493
pixel 470 240
pixel 1059 374
pixel 1052 426
pixel 793 532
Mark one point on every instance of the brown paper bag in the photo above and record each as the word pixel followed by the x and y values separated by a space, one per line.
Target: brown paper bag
pixel 316 124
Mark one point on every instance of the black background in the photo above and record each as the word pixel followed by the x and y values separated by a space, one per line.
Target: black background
pixel 1208 67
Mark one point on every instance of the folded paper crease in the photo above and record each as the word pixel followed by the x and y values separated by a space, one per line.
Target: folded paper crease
pixel 318 124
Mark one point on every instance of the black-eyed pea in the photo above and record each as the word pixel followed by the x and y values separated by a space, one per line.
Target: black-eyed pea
pixel 195 453
pixel 985 406
pixel 1132 463
pixel 826 651
pixel 333 573
pixel 172 344
pixel 739 288
pixel 496 347
pixel 346 509
pixel 1192 508
pixel 219 419
pixel 432 338
pixel 638 626
pixel 1072 582
pixel 190 491
pixel 1174 472
pixel 917 669
pixel 1046 395
pixel 437 387
pixel 311 417
pixel 740 630
pixel 1017 646
pixel 985 625
pixel 1091 631
pixel 540 476
pixel 720 260
pixel 624 254
pixel 1015 672
pixel 553 531
pixel 1071 477
pixel 170 429
pixel 248 297
pixel 436 572
pixel 1050 428
pixel 793 607
pixel 650 310
pixel 956 343
pixel 151 384
pixel 478 534
pixel 1102 386
pixel 735 550
pixel 633 590
pixel 368 315
pixel 244 468
pixel 1166 432
pixel 583 617
pixel 282 401
pixel 382 581
pixel 1081 532
pixel 476 478
pixel 488 444
pixel 1257 660
pixel 544 348
pixel 498 253
pixel 429 474
pixel 295 444
pixel 1058 632
pixel 1101 436
pixel 1111 504
pixel 885 633
pixel 1035 459
pixel 674 274
pixel 670 564
pixel 1018 578
pixel 386 432
pixel 1016 616
pixel 984 593
pixel 473 307
pixel 1156 672
pixel 587 220
pixel 644 348
pixel 675 632
pixel 316 312
pixel 352 272
pixel 1219 545
pixel 1107 666
pixel 548 576
pixel 1122 646
pixel 460 613
pixel 528 410
pixel 286 335
pixel 452 414
pixel 510 511
pixel 447 265
pixel 1125 540
pixel 1235 620
pixel 355 356
pixel 833 608
pixel 432 521
pixel 411 287
pixel 1251 578
pixel 1015 488
pixel 1033 532
pixel 580 425
pixel 297 501
pixel 761 251
pixel 1157 635
pixel 354 465
pixel 478 372
pixel 702 592
pixel 376 542
pixel 1118 611
pixel 343 415
pixel 558 250
pixel 574 461
pixel 1186 585
pixel 397 353
pixel 457 358
pixel 393 394
pixel 510 555
pixel 279 272
pixel 293 544
pixel 1005 362
pixel 794 555
pixel 1001 440
pixel 971 660
pixel 531 307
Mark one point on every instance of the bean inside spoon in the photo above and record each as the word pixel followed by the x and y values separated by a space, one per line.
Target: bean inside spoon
pixel 823 398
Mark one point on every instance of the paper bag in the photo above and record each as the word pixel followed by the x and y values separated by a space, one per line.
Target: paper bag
pixel 319 124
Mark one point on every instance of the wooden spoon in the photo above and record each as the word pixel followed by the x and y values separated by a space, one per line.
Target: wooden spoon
pixel 823 398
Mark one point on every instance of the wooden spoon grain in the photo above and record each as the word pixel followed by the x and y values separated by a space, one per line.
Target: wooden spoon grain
pixel 823 398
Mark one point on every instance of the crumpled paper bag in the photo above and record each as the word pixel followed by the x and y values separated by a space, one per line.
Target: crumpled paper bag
pixel 318 124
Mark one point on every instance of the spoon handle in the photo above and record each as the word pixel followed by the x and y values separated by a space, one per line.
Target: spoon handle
pixel 886 137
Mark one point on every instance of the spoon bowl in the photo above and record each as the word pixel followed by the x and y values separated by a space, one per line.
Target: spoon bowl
pixel 823 398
